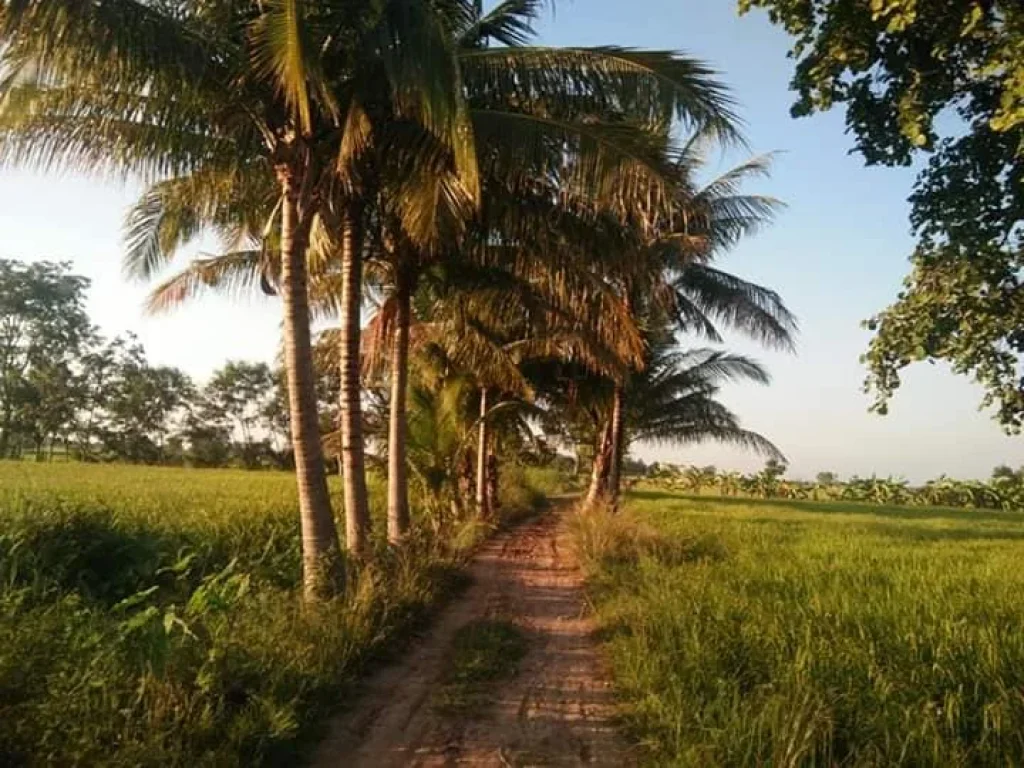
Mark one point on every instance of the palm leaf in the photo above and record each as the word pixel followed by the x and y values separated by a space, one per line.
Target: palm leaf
pixel 235 274
pixel 702 292
pixel 654 86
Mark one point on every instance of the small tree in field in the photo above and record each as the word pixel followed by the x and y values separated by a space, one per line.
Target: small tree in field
pixel 1004 473
pixel 766 482
pixel 43 326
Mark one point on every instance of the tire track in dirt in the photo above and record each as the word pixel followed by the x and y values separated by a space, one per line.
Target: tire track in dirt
pixel 557 710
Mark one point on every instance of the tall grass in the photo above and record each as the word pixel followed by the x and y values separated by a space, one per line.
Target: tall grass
pixel 151 616
pixel 753 633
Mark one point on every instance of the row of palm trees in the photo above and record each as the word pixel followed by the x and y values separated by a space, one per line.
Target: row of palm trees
pixel 523 215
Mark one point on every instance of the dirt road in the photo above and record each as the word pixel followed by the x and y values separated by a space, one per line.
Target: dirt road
pixel 556 711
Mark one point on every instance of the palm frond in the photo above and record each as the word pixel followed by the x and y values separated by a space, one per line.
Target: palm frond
pixel 509 23
pixel 284 52
pixel 230 274
pixel 615 166
pixel 124 41
pixel 103 132
pixel 418 55
pixel 703 292
pixel 231 199
pixel 655 86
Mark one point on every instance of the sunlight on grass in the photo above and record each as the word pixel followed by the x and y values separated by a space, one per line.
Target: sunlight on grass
pixel 151 616
pixel 745 633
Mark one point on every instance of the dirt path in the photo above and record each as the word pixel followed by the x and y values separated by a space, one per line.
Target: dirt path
pixel 556 711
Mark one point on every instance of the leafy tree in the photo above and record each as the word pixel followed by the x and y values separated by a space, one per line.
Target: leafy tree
pixel 98 366
pixel 766 483
pixel 967 310
pixel 944 78
pixel 239 397
pixel 898 66
pixel 47 411
pixel 205 443
pixel 774 468
pixel 142 405
pixel 1005 473
pixel 827 478
pixel 43 326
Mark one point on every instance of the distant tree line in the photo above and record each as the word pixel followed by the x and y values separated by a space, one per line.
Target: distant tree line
pixel 67 391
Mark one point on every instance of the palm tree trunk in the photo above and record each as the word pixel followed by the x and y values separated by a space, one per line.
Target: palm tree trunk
pixel 398 481
pixel 492 484
pixel 353 463
pixel 321 556
pixel 599 470
pixel 617 445
pixel 482 505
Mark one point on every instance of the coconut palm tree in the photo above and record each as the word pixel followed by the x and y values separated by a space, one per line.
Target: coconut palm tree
pixel 575 130
pixel 672 278
pixel 675 398
pixel 672 400
pixel 486 322
pixel 217 92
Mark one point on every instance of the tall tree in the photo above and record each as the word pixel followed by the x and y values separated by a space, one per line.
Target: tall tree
pixel 141 405
pixel 215 92
pixel 239 396
pixel 43 324
pixel 941 79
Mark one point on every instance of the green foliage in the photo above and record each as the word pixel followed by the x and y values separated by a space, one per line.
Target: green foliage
pixel 43 328
pixel 63 386
pixel 897 65
pixel 966 309
pixel 746 633
pixel 151 616
pixel 909 71
pixel 241 399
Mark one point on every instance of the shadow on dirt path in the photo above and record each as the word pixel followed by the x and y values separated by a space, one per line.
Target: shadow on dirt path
pixel 557 710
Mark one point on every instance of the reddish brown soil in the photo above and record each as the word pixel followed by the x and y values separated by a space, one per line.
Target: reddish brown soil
pixel 557 710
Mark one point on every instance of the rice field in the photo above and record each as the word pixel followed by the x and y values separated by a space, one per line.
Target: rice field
pixel 150 616
pixel 812 634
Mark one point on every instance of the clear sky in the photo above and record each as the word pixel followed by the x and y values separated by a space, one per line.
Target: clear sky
pixel 837 255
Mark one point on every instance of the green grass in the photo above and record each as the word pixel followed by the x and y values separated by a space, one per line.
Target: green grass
pixel 151 616
pixel 484 653
pixel 784 634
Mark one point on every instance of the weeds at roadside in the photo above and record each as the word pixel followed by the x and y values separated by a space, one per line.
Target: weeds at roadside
pixel 152 616
pixel 484 653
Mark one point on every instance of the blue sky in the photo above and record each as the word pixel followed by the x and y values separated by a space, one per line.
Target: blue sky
pixel 837 254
